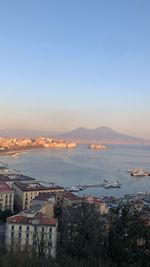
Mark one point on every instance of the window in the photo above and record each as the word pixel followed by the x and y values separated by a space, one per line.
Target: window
pixel 34 236
pixel 27 235
pixel 50 244
pixel 12 234
pixel 19 235
pixel 28 228
pixel 50 229
pixel 12 227
pixel 20 228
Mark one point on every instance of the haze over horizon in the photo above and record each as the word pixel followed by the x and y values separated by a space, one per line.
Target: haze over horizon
pixel 69 64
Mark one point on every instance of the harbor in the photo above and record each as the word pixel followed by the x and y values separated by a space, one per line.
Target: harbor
pixel 105 184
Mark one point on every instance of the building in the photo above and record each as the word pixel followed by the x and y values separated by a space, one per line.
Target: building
pixel 10 178
pixel 45 202
pixel 6 197
pixel 70 199
pixel 33 230
pixel 99 204
pixel 26 192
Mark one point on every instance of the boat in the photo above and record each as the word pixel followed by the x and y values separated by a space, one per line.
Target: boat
pixel 140 173
pixel 111 184
pixel 98 146
pixel 74 189
pixel 133 170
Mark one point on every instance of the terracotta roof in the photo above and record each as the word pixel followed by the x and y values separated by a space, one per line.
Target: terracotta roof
pixel 5 188
pixel 94 200
pixel 41 220
pixel 17 219
pixel 70 196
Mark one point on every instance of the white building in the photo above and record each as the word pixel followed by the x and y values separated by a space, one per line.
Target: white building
pixel 6 197
pixel 32 229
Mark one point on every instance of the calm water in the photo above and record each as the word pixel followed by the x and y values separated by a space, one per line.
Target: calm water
pixel 83 165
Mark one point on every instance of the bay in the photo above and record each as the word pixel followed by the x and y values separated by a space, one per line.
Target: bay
pixel 70 167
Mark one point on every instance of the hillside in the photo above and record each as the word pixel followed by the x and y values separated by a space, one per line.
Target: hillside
pixel 100 135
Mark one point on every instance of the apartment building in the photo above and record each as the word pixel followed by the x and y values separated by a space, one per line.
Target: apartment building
pixel 100 205
pixel 6 197
pixel 32 230
pixel 70 199
pixel 10 178
pixel 46 202
pixel 26 192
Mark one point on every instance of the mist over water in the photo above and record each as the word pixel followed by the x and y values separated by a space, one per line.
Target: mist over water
pixel 86 166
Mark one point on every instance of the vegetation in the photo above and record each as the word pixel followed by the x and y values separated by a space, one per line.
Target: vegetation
pixel 4 215
pixel 87 239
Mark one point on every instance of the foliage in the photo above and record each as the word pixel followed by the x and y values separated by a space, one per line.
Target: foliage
pixel 129 238
pixel 87 239
pixel 4 215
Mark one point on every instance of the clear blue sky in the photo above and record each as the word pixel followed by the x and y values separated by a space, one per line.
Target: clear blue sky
pixel 71 63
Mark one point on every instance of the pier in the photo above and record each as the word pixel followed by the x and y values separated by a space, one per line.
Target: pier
pixel 105 184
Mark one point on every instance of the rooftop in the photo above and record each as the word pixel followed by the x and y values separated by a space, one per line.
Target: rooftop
pixel 37 186
pixel 70 196
pixel 15 177
pixel 4 188
pixel 94 200
pixel 4 178
pixel 38 218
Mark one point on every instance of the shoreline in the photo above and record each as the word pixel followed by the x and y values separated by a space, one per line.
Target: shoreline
pixel 12 153
pixel 20 151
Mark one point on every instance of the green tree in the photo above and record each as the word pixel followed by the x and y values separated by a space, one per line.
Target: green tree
pixel 83 235
pixel 128 240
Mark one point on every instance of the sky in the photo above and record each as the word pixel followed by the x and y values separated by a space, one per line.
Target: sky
pixel 75 63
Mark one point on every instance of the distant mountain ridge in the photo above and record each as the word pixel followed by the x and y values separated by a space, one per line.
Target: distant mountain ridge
pixel 101 135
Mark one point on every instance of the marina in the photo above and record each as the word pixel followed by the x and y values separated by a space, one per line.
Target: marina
pixel 106 184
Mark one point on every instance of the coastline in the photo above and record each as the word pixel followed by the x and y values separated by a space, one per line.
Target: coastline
pixel 20 151
pixel 13 152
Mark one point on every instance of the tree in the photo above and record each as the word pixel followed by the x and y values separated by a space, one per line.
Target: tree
pixel 128 240
pixel 83 235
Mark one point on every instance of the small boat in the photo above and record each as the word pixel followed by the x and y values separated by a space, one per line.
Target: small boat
pixel 112 184
pixel 74 189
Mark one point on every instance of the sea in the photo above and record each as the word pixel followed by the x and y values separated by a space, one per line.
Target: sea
pixel 79 166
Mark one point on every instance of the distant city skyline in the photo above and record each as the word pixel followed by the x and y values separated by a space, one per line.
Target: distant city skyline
pixel 69 64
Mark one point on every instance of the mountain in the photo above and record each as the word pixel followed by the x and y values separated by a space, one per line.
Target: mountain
pixel 26 133
pixel 101 135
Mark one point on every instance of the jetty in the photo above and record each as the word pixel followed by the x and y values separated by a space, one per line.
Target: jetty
pixel 105 184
